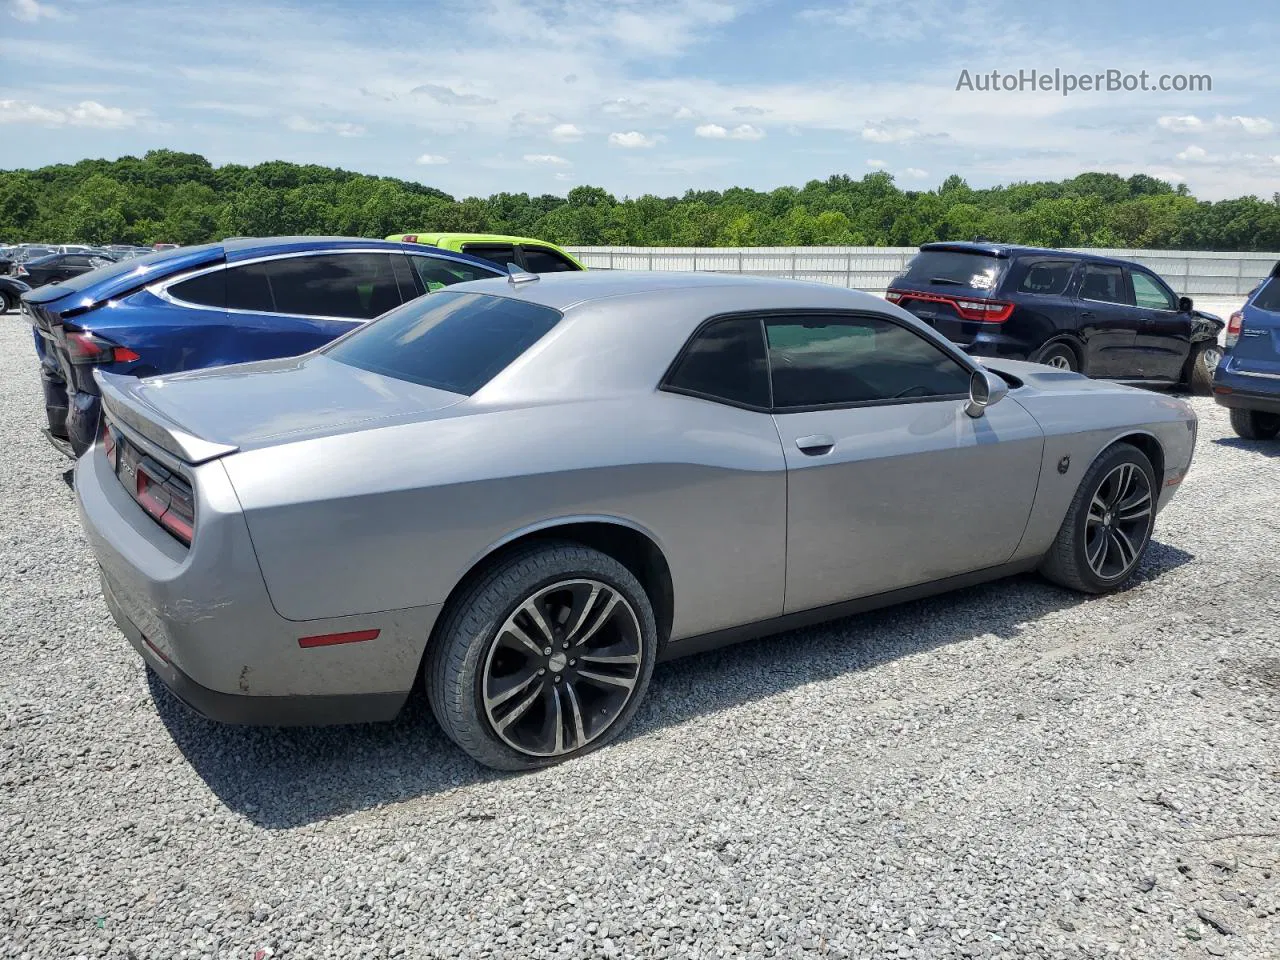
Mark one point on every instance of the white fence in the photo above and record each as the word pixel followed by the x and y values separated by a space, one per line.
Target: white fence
pixel 871 268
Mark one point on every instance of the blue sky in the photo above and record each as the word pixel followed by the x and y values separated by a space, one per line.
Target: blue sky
pixel 646 97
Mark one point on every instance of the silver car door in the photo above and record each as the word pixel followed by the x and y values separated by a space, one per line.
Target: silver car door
pixel 889 482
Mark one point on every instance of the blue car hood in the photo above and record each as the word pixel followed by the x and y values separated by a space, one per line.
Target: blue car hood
pixel 82 292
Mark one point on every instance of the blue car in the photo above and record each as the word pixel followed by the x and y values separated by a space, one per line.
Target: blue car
pixel 1248 380
pixel 215 304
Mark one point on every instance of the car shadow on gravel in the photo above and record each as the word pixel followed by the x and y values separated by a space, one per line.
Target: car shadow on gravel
pixel 1268 448
pixel 280 778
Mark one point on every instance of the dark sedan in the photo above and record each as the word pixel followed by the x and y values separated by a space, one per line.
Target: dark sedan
pixel 59 266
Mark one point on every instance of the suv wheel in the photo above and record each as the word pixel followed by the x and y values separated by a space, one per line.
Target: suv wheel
pixel 545 657
pixel 1201 366
pixel 7 303
pixel 1254 424
pixel 1060 357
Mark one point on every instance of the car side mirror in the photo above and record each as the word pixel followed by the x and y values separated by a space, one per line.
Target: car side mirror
pixel 985 388
pixel 1185 304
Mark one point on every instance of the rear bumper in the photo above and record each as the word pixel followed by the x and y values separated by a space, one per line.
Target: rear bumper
pixel 1247 391
pixel 285 711
pixel 998 346
pixel 202 618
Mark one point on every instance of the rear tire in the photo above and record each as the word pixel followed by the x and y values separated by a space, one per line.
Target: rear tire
pixel 1200 367
pixel 7 303
pixel 513 704
pixel 1060 356
pixel 1108 525
pixel 1254 424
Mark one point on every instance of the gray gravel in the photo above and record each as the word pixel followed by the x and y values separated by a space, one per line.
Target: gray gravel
pixel 1010 771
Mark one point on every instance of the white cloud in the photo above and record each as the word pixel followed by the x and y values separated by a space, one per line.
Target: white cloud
pixel 1183 124
pixel 342 129
pixel 887 133
pixel 632 139
pixel 1256 125
pixel 876 164
pixel 623 107
pixel 684 113
pixel 545 160
pixel 566 132
pixel 452 98
pixel 87 113
pixel 916 173
pixel 432 160
pixel 1192 124
pixel 29 11
pixel 561 175
pixel 1193 153
pixel 713 131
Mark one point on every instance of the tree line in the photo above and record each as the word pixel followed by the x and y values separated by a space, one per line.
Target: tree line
pixel 173 197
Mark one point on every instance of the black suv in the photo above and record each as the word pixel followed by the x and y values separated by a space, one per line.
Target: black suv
pixel 1097 315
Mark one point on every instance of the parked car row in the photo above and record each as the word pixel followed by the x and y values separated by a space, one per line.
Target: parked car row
pixel 411 463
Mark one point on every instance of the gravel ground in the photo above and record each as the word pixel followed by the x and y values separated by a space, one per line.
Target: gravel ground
pixel 1008 771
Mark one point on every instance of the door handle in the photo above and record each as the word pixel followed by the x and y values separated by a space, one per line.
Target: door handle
pixel 1088 315
pixel 815 445
pixel 1146 321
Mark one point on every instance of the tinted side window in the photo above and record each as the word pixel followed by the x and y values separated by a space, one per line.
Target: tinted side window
pixel 451 341
pixel 1047 277
pixel 359 286
pixel 499 253
pixel 1148 293
pixel 1267 297
pixel 206 290
pixel 821 361
pixel 543 260
pixel 725 360
pixel 436 272
pixel 247 288
pixel 1101 282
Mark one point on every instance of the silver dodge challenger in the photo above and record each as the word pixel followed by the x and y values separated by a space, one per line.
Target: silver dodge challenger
pixel 529 490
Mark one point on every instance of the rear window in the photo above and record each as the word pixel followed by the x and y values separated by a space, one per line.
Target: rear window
pixel 1268 298
pixel 954 268
pixel 448 340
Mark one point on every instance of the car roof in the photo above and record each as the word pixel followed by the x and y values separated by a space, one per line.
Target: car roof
pixel 573 289
pixel 98 285
pixel 1011 250
pixel 435 239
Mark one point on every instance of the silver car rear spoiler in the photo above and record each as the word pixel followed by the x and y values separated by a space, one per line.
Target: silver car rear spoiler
pixel 122 403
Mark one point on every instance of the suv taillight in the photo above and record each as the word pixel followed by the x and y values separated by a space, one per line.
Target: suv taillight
pixel 83 347
pixel 969 308
pixel 1234 324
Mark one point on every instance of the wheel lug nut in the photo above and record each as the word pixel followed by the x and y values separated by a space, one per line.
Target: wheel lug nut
pixel 541 672
pixel 565 645
pixel 558 678
pixel 573 663
pixel 547 652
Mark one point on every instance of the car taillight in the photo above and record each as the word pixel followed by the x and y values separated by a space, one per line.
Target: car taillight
pixel 20 271
pixel 1234 325
pixel 109 445
pixel 968 308
pixel 83 347
pixel 167 498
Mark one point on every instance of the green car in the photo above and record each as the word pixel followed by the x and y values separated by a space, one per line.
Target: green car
pixel 536 256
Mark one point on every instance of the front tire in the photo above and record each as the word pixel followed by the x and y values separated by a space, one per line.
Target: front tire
pixel 7 303
pixel 544 657
pixel 1201 366
pixel 1254 424
pixel 1108 525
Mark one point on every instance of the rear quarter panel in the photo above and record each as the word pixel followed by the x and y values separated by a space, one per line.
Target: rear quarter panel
pixel 395 517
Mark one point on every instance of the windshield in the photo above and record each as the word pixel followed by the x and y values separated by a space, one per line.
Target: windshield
pixel 448 340
pixel 955 268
